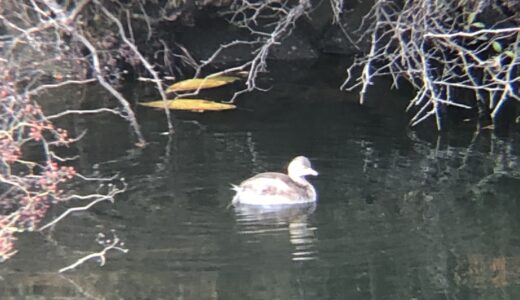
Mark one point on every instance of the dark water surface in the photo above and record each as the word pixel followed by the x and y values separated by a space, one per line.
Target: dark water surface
pixel 401 214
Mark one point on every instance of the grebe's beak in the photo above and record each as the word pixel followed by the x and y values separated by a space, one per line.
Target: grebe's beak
pixel 312 172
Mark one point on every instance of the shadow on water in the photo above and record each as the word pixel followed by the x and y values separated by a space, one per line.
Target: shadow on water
pixel 399 216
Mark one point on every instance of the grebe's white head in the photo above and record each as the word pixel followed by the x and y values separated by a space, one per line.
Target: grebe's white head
pixel 300 167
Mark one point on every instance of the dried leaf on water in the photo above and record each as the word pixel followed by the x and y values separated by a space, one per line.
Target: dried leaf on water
pixel 201 83
pixel 197 105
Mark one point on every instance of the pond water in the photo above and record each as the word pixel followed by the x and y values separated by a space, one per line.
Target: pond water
pixel 401 214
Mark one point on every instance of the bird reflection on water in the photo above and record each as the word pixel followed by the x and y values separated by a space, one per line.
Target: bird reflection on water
pixel 257 221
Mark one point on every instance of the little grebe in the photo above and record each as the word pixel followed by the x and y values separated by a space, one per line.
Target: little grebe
pixel 272 188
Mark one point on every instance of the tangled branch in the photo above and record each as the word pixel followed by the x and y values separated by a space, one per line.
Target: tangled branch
pixel 441 56
pixel 47 41
pixel 268 22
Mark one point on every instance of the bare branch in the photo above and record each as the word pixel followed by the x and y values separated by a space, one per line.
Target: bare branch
pixel 143 60
pixel 113 244
pixel 109 196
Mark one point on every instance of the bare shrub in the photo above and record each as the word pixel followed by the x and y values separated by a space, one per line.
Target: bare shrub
pixel 43 46
pixel 443 48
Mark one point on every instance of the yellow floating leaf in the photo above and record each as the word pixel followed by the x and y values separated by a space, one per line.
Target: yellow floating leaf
pixel 201 83
pixel 197 105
